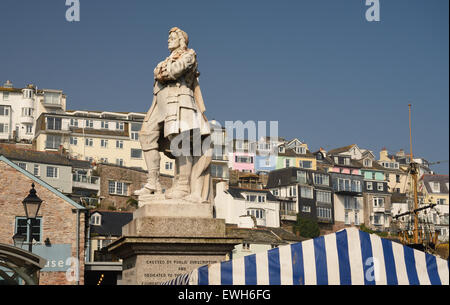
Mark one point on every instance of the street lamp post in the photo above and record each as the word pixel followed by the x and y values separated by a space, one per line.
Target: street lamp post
pixel 31 204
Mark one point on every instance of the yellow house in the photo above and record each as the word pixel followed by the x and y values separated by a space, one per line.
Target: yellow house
pixel 101 137
pixel 435 190
pixel 395 171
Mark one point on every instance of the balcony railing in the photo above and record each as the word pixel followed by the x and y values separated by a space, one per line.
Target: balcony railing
pixel 85 179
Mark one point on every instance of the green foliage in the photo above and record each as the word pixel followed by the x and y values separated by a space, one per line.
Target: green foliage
pixel 132 202
pixel 112 208
pixel 306 227
pixel 367 230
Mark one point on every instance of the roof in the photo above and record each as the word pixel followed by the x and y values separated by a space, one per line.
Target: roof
pixel 442 179
pixel 112 222
pixel 340 149
pixel 236 192
pixel 262 235
pixel 290 152
pixel 12 152
pixel 282 176
pixel 42 183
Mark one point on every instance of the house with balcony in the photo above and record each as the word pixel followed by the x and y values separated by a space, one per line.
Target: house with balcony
pixel 295 157
pixel 267 154
pixel 219 162
pixel 242 156
pixel 20 108
pixel 395 170
pixel 435 189
pixel 305 192
pixel 231 203
pixel 376 196
pixel 347 182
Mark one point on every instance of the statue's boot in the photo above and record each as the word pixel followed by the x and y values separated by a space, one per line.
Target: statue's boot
pixel 181 186
pixel 153 186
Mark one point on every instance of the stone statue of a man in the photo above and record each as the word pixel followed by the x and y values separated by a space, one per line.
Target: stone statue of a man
pixel 177 111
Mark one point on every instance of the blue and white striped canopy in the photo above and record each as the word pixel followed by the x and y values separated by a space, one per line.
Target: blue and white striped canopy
pixel 347 257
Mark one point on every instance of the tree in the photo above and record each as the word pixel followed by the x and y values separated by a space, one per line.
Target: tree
pixel 307 227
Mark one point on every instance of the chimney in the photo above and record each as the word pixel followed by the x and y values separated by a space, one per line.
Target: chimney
pixel 323 151
pixel 8 84
pixel 383 154
pixel 401 153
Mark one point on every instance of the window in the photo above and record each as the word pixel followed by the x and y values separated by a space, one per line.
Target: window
pixel 323 213
pixel 135 128
pixel 4 110
pixel 105 124
pixel 53 142
pixel 301 177
pixel 73 141
pixel 118 188
pixel 397 178
pixel 52 172
pixel 321 179
pixel 119 126
pixel 306 209
pixel 96 220
pixel 28 112
pixel 89 142
pixel 104 160
pixel 22 165
pixel 367 162
pixel 356 186
pixel 275 192
pixel 36 170
pixel 246 246
pixel 257 213
pixel 378 202
pixel 168 165
pixel 5 95
pixel 29 129
pixel 380 187
pixel 305 164
pixel 88 123
pixel 376 219
pixel 73 122
pixel 119 144
pixel 435 187
pixel 346 219
pixel 119 162
pixel 356 219
pixel 4 128
pixel 251 198
pixel 104 143
pixel 300 150
pixel 306 192
pixel 136 153
pixel 441 201
pixel 52 98
pixel 53 123
pixel 293 191
pixel 369 186
pixel 21 228
pixel 322 196
pixel 261 198
pixel 287 162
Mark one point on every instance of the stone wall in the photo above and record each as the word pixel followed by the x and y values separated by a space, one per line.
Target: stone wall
pixel 136 178
pixel 59 223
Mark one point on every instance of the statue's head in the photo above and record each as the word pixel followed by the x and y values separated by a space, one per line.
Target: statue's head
pixel 177 39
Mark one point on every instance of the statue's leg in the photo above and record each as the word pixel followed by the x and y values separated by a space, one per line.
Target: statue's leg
pixel 148 137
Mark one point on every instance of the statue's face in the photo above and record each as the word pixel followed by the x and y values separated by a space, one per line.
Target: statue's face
pixel 174 41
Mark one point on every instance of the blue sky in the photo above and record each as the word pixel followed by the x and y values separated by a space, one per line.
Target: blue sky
pixel 318 67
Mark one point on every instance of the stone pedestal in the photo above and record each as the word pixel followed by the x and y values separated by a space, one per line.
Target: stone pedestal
pixel 156 246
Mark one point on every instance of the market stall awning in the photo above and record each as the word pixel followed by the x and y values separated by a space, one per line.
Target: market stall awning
pixel 347 257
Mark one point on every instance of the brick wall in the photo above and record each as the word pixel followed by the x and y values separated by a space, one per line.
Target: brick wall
pixel 136 179
pixel 59 223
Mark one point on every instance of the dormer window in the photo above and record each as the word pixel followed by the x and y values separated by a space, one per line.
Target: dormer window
pixel 367 163
pixel 281 149
pixel 435 187
pixel 96 219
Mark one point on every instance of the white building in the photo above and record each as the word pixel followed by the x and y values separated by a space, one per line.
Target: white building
pixel 20 108
pixel 231 203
